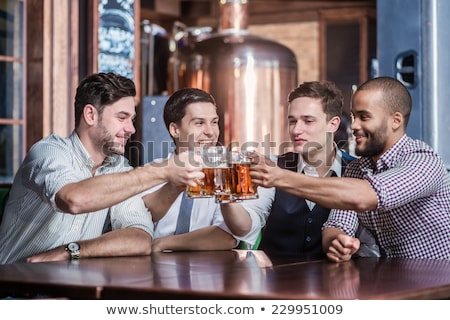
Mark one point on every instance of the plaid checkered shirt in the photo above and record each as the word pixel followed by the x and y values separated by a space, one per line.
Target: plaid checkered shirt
pixel 412 219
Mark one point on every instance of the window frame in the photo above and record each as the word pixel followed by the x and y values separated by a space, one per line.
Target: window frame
pixel 18 151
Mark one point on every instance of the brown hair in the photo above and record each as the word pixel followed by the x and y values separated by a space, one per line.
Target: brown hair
pixel 330 96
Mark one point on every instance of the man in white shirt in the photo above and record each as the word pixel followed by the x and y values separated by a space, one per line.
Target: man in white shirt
pixel 191 118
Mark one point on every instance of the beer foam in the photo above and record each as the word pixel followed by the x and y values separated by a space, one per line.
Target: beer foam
pixel 216 165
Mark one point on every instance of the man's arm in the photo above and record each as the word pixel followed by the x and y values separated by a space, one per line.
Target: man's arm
pixel 246 219
pixel 236 218
pixel 121 242
pixel 104 191
pixel 331 192
pixel 207 238
pixel 160 201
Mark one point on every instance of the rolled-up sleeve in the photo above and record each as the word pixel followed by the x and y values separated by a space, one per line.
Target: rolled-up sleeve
pixel 132 213
pixel 47 168
pixel 418 175
pixel 345 220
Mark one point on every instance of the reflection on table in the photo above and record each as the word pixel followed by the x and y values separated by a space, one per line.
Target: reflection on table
pixel 236 274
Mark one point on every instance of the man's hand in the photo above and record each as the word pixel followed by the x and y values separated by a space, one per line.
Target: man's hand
pixel 342 248
pixel 185 169
pixel 56 254
pixel 264 172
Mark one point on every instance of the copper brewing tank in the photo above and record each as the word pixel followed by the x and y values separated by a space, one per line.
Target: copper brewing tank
pixel 249 76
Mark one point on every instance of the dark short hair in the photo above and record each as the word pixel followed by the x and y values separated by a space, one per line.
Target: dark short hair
pixel 175 107
pixel 395 96
pixel 100 90
pixel 326 91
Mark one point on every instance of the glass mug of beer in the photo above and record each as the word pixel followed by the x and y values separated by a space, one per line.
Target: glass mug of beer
pixel 217 175
pixel 198 191
pixel 242 187
pixel 217 172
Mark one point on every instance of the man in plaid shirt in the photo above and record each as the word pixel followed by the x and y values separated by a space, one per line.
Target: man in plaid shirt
pixel 399 188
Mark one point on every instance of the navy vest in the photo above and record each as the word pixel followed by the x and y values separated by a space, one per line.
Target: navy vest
pixel 291 227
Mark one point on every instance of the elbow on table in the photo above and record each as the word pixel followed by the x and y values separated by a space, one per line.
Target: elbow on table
pixel 147 249
pixel 239 231
pixel 142 243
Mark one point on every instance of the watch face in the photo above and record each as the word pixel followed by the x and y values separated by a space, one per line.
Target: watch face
pixel 73 246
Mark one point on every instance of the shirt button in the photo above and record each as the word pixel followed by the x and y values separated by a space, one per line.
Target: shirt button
pixel 308 239
pixel 309 220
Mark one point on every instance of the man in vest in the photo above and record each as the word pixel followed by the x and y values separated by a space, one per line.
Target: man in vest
pixel 291 224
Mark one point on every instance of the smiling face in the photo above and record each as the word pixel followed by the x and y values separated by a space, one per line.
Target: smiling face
pixel 372 125
pixel 115 126
pixel 198 127
pixel 309 129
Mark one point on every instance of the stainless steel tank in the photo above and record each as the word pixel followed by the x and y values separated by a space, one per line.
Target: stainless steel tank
pixel 249 76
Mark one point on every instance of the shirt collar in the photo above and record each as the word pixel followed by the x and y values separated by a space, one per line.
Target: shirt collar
pixel 84 156
pixel 389 158
pixel 336 166
pixel 80 150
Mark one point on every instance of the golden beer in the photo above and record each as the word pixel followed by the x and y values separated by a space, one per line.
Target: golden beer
pixel 241 182
pixel 217 175
pixel 197 191
pixel 217 182
pixel 224 198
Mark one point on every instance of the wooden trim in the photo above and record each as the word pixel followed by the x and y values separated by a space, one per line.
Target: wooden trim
pixel 347 14
pixel 322 49
pixel 12 121
pixel 51 67
pixel 359 15
pixel 137 50
pixel 74 78
pixel 47 57
pixel 11 59
pixel 60 65
pixel 363 49
pixel 34 69
pixel 92 47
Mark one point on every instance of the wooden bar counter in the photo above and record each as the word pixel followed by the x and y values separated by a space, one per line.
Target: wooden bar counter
pixel 237 274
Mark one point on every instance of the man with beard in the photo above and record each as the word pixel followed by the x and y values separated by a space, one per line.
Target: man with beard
pixel 399 188
pixel 68 191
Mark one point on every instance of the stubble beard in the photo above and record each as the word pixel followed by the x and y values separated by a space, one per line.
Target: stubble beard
pixel 375 143
pixel 106 143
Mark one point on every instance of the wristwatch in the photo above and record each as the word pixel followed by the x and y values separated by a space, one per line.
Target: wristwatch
pixel 73 248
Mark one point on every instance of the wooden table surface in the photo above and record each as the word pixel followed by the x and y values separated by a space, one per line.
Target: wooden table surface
pixel 236 274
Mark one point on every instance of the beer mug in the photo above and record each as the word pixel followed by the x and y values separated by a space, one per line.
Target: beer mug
pixel 198 191
pixel 242 187
pixel 217 173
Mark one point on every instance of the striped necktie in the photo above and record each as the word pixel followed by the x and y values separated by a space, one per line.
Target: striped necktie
pixel 184 216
